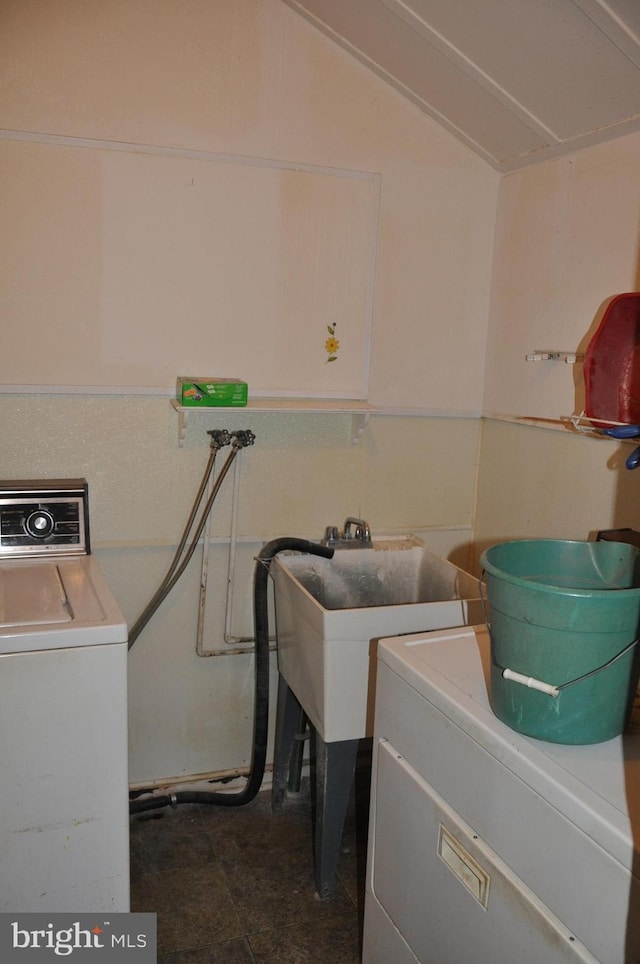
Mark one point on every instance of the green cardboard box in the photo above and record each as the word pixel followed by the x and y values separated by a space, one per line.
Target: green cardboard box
pixel 212 392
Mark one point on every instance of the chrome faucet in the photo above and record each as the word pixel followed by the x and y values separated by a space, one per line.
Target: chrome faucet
pixel 356 535
pixel 361 529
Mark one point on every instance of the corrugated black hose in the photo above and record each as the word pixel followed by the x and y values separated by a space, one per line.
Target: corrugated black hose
pixel 261 709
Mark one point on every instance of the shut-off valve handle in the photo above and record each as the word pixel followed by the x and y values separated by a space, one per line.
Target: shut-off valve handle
pixel 219 437
pixel 243 438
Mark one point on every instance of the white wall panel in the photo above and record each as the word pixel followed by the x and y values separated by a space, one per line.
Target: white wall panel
pixel 567 240
pixel 178 265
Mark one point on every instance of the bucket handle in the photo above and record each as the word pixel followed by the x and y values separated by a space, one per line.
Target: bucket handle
pixel 531 681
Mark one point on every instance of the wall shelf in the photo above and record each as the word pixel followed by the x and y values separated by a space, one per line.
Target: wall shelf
pixel 359 411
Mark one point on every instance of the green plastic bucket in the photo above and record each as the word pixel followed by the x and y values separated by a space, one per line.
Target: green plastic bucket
pixel 564 617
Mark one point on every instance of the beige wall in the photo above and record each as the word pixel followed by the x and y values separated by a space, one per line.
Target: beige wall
pixel 567 240
pixel 251 81
pixel 539 483
pixel 242 78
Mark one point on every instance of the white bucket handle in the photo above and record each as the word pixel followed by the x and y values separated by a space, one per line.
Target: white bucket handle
pixel 531 682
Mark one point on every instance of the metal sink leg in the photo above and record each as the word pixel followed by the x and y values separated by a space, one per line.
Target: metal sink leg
pixel 334 770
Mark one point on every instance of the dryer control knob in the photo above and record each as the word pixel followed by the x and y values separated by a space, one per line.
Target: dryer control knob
pixel 40 524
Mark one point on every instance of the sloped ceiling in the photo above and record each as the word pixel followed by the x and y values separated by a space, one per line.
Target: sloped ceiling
pixel 518 81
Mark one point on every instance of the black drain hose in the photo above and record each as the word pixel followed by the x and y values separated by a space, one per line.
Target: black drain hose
pixel 261 709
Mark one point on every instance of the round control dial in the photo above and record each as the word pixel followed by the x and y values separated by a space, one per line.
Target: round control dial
pixel 40 524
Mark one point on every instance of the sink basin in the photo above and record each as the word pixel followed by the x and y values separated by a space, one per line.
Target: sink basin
pixel 331 612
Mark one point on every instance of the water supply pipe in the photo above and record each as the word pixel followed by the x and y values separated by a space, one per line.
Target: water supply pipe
pixel 261 699
pixel 218 438
pixel 237 642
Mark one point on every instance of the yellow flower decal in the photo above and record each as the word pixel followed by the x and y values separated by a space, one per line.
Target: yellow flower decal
pixel 332 344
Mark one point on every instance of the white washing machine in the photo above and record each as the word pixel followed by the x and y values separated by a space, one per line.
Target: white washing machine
pixel 486 845
pixel 64 825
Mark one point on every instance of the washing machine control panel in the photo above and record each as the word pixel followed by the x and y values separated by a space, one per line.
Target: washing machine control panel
pixel 43 518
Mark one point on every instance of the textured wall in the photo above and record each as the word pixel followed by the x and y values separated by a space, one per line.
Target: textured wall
pixel 249 79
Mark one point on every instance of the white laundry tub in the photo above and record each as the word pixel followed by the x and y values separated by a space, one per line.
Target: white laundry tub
pixel 331 612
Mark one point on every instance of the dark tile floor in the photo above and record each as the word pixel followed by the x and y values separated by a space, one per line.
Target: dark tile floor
pixel 233 885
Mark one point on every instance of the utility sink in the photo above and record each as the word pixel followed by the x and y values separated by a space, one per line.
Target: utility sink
pixel 331 612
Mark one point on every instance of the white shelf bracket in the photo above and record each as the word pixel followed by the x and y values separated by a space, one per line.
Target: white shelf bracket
pixel 182 426
pixel 359 422
pixel 569 357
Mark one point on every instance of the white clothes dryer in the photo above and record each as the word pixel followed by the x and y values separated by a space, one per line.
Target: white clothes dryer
pixel 486 845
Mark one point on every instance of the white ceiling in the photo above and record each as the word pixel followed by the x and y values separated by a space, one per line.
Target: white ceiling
pixel 518 81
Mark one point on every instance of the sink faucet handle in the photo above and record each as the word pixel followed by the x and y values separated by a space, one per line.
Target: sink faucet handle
pixel 362 530
pixel 331 534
